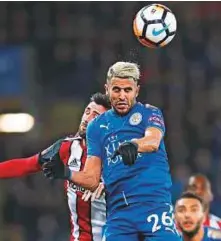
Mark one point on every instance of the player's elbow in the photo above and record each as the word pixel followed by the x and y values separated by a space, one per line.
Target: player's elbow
pixel 93 181
pixel 154 148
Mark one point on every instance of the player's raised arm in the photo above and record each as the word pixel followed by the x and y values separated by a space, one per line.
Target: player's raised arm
pixel 151 141
pixel 89 178
pixel 91 175
pixel 19 167
pixel 154 132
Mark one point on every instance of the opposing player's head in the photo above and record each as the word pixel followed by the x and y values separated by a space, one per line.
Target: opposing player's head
pixel 189 213
pixel 99 103
pixel 200 185
pixel 122 86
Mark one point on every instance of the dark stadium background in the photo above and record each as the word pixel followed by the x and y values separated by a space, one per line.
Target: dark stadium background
pixel 54 55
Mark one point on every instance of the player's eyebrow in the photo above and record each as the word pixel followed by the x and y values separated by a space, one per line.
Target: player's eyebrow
pixel 97 112
pixel 194 206
pixel 180 207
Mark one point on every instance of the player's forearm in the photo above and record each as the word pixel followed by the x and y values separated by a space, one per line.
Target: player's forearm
pixel 146 145
pixel 151 141
pixel 19 167
pixel 84 179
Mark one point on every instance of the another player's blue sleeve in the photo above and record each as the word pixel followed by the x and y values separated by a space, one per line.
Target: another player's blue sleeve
pixel 155 118
pixel 93 139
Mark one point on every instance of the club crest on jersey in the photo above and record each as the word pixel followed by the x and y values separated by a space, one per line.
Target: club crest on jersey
pixel 135 119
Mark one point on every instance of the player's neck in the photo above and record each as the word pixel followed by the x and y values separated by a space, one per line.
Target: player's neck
pixel 207 211
pixel 84 142
pixel 124 114
pixel 197 237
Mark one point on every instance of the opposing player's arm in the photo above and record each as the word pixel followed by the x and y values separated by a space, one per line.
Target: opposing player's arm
pixel 19 167
pixel 89 178
pixel 151 141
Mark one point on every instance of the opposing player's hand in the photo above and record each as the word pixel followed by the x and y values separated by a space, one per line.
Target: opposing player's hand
pixel 49 153
pixel 128 150
pixel 55 169
pixel 93 195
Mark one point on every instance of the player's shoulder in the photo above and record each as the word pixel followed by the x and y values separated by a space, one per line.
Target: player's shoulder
pixel 71 138
pixel 151 109
pixel 214 217
pixel 213 234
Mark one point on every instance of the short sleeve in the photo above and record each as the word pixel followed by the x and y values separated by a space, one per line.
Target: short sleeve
pixel 93 139
pixel 155 119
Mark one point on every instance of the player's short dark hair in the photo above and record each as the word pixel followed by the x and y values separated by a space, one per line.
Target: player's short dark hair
pixel 189 194
pixel 101 99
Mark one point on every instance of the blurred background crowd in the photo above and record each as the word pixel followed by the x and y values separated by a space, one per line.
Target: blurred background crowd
pixel 54 55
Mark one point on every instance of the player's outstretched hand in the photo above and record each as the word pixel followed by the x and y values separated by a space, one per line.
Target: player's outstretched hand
pixel 93 195
pixel 49 153
pixel 128 150
pixel 55 169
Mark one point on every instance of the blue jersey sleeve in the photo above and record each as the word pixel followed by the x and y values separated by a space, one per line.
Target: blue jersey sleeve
pixel 155 118
pixel 93 139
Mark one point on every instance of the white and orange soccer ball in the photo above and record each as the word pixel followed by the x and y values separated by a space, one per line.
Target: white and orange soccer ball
pixel 155 25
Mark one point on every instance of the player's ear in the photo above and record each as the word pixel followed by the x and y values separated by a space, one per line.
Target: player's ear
pixel 138 90
pixel 204 218
pixel 106 89
pixel 211 196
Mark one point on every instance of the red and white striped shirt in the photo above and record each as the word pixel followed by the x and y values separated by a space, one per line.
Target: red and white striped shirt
pixel 87 218
pixel 213 221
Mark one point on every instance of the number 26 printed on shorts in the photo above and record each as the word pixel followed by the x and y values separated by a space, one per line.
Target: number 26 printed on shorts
pixel 163 220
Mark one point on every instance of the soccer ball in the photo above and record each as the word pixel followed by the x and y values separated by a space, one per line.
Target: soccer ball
pixel 154 26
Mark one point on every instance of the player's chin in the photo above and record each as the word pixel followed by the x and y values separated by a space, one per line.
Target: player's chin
pixel 122 111
pixel 82 132
pixel 188 228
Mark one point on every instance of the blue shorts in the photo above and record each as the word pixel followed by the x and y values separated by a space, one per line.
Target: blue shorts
pixel 142 222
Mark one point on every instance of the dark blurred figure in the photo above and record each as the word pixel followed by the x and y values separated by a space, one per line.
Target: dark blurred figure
pixel 201 185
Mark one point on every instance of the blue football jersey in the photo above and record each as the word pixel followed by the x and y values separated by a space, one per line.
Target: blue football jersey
pixel 148 180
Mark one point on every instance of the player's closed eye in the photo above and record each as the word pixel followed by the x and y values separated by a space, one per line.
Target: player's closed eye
pixel 117 89
pixel 87 111
pixel 127 90
pixel 194 210
pixel 181 210
pixel 95 114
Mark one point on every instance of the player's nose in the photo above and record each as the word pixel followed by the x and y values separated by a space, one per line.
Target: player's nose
pixel 187 216
pixel 122 95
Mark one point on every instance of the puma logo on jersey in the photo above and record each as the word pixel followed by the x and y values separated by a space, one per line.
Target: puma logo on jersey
pixel 103 126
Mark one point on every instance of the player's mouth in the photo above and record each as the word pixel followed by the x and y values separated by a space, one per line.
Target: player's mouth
pixel 122 105
pixel 83 125
pixel 188 224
